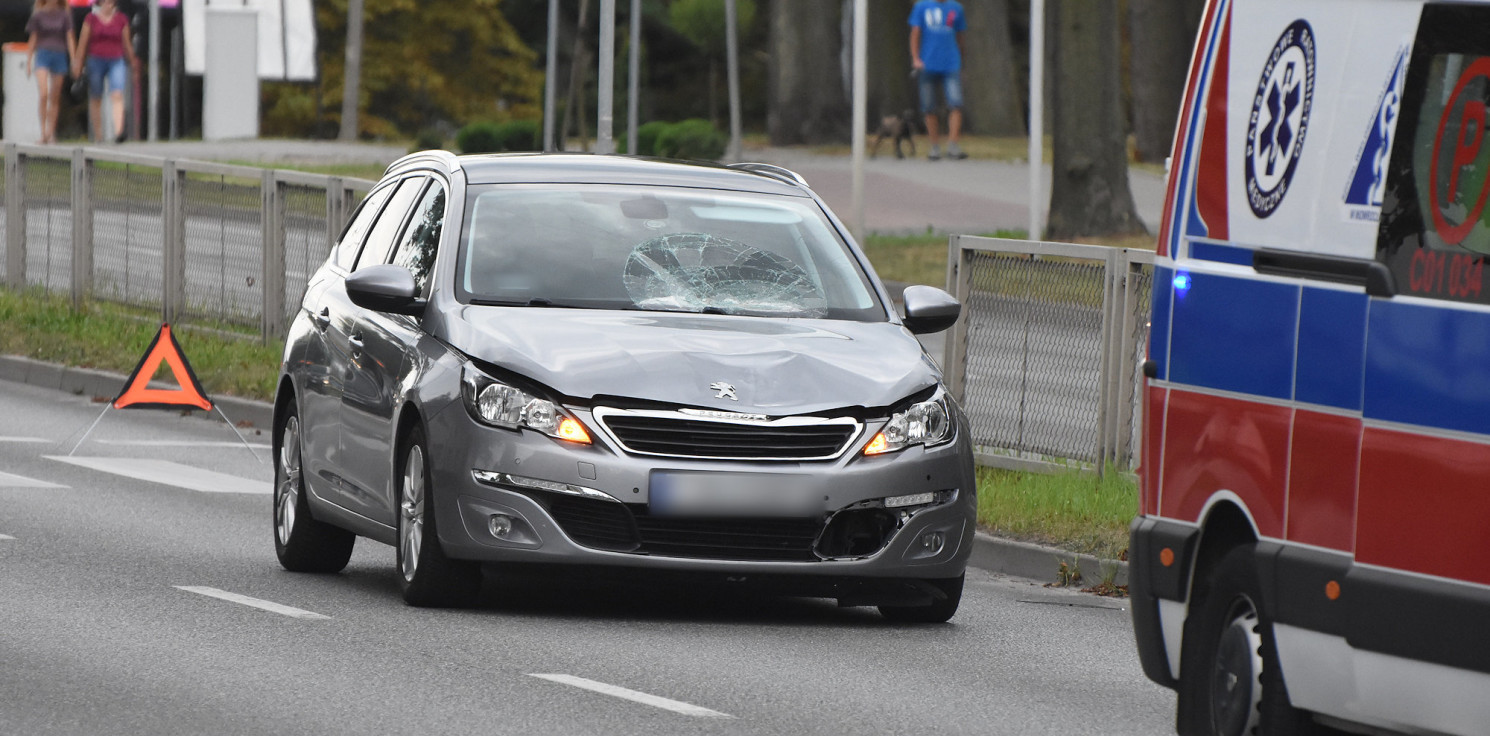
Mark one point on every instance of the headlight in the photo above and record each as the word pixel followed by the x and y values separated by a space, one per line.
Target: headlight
pixel 501 405
pixel 927 423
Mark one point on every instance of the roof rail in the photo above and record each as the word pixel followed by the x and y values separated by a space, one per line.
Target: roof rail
pixel 773 171
pixel 446 158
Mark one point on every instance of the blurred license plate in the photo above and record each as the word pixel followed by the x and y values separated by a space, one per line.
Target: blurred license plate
pixel 686 493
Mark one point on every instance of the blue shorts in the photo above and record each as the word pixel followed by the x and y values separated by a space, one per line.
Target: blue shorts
pixel 951 84
pixel 51 60
pixel 101 69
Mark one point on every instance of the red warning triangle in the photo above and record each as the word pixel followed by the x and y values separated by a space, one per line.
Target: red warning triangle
pixel 137 392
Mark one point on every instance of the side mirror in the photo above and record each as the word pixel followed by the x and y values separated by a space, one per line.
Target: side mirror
pixel 929 309
pixel 385 288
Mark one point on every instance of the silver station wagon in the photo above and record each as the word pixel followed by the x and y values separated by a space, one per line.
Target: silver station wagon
pixel 612 362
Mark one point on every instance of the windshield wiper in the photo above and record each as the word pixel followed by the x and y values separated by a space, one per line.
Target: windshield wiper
pixel 536 301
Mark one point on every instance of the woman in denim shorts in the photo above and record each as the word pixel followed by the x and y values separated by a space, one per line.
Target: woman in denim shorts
pixel 51 44
pixel 106 44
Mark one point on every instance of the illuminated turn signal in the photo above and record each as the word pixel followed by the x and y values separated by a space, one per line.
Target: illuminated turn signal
pixel 877 445
pixel 570 429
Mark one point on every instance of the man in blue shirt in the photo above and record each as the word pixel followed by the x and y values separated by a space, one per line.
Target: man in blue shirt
pixel 936 54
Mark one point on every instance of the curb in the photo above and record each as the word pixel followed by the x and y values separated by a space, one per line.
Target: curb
pixel 990 553
pixel 1038 562
pixel 90 382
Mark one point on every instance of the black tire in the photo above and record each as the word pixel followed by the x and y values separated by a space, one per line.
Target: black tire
pixel 426 576
pixel 301 543
pixel 1230 683
pixel 938 611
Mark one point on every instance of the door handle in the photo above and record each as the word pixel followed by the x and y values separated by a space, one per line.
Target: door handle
pixel 322 320
pixel 356 342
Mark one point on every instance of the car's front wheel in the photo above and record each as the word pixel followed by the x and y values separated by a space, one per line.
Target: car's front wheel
pixel 938 611
pixel 1230 683
pixel 425 575
pixel 302 543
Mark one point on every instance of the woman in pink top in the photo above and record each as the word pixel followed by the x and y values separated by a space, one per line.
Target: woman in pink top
pixel 51 44
pixel 106 44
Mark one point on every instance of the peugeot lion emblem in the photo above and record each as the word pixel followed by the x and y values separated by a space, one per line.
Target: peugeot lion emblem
pixel 725 390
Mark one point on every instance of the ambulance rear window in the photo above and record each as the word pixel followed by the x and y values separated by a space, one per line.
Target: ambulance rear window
pixel 1435 223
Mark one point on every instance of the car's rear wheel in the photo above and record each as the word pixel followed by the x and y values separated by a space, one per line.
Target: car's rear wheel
pixel 425 575
pixel 302 543
pixel 938 611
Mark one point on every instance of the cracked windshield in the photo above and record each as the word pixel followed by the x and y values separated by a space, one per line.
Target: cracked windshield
pixel 667 249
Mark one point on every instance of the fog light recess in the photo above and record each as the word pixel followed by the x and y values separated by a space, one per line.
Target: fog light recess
pixel 500 525
pixel 933 542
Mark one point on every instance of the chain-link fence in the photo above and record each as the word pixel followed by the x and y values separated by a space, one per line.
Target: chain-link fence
pixel 1047 358
pixel 204 243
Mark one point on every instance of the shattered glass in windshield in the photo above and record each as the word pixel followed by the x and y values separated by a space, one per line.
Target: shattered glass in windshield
pixel 669 249
pixel 700 272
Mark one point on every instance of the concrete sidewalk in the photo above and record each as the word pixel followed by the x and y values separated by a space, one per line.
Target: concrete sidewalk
pixel 901 196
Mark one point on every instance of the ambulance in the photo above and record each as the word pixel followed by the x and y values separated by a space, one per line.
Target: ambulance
pixel 1312 553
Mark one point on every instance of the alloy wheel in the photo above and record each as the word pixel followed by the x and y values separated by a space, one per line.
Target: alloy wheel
pixel 287 491
pixel 411 513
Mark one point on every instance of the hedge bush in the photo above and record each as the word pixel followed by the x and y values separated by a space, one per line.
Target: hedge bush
pixel 482 137
pixel 693 138
pixel 646 138
pixel 428 139
pixel 520 135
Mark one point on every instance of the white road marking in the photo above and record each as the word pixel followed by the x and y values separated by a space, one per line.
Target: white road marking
pixel 11 480
pixel 6 536
pixel 259 603
pixel 180 443
pixel 33 440
pixel 676 706
pixel 171 474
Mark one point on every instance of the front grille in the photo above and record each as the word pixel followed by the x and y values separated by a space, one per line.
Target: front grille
pixel 776 540
pixel 628 528
pixel 592 523
pixel 675 435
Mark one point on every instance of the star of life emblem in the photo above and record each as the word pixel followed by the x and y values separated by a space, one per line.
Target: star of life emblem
pixel 1280 118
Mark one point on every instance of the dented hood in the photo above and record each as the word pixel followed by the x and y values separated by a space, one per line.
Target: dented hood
pixel 776 366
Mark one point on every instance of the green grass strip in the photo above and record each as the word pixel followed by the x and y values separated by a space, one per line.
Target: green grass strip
pixel 113 337
pixel 1074 510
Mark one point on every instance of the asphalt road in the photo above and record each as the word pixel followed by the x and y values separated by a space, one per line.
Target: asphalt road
pixel 115 618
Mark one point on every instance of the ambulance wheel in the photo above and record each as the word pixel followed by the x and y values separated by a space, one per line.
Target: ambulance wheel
pixel 301 543
pixel 1230 683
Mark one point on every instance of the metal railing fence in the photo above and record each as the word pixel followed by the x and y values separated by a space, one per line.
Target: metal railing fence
pixel 206 243
pixel 1047 358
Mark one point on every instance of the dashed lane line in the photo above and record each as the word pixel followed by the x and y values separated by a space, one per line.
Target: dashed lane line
pixel 30 440
pixel 181 443
pixel 676 706
pixel 4 537
pixel 258 603
pixel 169 473
pixel 11 480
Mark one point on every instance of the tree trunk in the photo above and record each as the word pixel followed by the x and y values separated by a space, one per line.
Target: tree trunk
pixel 1089 194
pixel 993 101
pixel 713 94
pixel 807 102
pixel 1163 34
pixel 577 64
pixel 891 89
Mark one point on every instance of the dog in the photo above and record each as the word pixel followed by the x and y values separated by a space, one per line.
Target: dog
pixel 897 127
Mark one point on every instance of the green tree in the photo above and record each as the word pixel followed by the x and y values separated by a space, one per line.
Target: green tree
pixel 703 23
pixel 423 63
